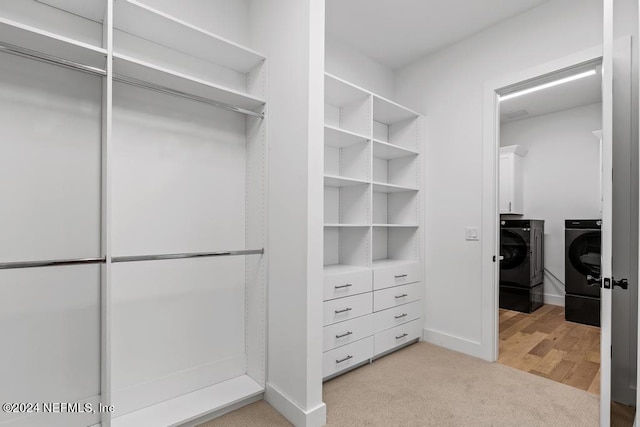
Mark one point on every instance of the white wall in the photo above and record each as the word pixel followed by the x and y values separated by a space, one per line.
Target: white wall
pixel 560 178
pixel 343 61
pixel 291 34
pixel 448 87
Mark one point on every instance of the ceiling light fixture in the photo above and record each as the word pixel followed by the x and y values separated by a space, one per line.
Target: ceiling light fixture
pixel 548 85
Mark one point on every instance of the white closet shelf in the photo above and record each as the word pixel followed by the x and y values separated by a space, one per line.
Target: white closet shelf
pixel 339 92
pixel 27 37
pixel 190 407
pixel 90 9
pixel 150 24
pixel 130 67
pixel 386 111
pixel 382 187
pixel 341 138
pixel 397 225
pixel 384 263
pixel 339 269
pixel 384 150
pixel 346 225
pixel 338 181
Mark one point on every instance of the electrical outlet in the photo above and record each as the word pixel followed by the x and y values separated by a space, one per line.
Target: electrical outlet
pixel 472 233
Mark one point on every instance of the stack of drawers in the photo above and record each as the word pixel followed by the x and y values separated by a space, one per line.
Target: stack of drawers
pixel 368 312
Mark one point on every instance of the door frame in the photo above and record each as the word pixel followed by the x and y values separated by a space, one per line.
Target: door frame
pixel 490 182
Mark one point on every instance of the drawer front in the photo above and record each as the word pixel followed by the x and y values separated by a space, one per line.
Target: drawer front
pixel 343 333
pixel 399 295
pixel 344 357
pixel 385 277
pixel 344 285
pixel 394 337
pixel 339 310
pixel 391 317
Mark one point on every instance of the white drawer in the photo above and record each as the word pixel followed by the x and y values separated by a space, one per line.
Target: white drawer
pixel 399 295
pixel 346 284
pixel 397 273
pixel 391 317
pixel 342 309
pixel 343 333
pixel 344 357
pixel 394 337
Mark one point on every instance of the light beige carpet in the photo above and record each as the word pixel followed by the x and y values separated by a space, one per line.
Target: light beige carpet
pixel 425 385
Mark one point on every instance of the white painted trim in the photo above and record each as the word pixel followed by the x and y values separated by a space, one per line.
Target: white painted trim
pixel 490 209
pixel 315 417
pixel 454 343
pixel 554 300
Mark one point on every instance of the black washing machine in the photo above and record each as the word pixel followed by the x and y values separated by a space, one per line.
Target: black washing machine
pixel 522 264
pixel 583 241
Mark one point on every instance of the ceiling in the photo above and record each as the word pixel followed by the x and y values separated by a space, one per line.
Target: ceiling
pixel 399 32
pixel 572 94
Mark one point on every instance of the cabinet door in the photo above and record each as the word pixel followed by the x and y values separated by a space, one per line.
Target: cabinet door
pixel 506 184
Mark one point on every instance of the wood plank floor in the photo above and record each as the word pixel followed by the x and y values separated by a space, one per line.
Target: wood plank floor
pixel 545 344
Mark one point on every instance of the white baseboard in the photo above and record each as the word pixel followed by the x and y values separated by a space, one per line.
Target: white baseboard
pixel 554 299
pixel 315 417
pixel 454 343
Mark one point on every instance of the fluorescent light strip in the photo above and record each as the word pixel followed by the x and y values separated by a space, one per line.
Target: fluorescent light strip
pixel 548 85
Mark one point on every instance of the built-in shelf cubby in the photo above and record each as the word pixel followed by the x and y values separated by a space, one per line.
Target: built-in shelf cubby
pixel 395 244
pixel 372 231
pixel 347 107
pixel 399 209
pixel 347 205
pixel 347 246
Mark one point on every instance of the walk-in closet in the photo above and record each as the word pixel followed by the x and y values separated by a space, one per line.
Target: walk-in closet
pixel 223 213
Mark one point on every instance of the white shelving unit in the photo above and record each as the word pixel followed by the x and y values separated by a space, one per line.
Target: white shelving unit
pixel 372 237
pixel 165 114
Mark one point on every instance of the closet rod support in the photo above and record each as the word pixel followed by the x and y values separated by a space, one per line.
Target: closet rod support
pixel 50 59
pixel 50 263
pixel 185 255
pixel 163 89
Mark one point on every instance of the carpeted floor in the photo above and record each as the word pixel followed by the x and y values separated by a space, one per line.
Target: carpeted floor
pixel 424 385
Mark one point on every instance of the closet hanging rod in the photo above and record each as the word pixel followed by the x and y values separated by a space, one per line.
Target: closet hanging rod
pixel 50 59
pixel 163 89
pixel 185 255
pixel 50 263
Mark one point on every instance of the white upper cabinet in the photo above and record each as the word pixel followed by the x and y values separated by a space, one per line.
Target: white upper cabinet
pixel 511 158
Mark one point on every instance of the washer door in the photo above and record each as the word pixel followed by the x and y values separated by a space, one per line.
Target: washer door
pixel 584 253
pixel 513 249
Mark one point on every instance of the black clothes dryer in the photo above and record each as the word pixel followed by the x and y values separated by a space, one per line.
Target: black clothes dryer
pixel 582 242
pixel 522 264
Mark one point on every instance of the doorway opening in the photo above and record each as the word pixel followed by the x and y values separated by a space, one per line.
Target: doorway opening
pixel 550 208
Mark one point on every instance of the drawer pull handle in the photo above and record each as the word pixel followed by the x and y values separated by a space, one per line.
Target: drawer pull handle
pixel 346 334
pixel 401 316
pixel 344 310
pixel 401 296
pixel 400 276
pixel 402 336
pixel 343 286
pixel 344 360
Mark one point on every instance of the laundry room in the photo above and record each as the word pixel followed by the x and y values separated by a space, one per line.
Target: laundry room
pixel 550 212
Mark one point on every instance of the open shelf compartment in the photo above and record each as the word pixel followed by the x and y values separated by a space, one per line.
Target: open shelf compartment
pixel 350 161
pixel 395 209
pixel 395 124
pixel 401 171
pixel 393 244
pixel 346 106
pixel 346 247
pixel 347 205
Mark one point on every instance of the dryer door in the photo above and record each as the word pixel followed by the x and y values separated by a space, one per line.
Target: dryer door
pixel 583 255
pixel 514 266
